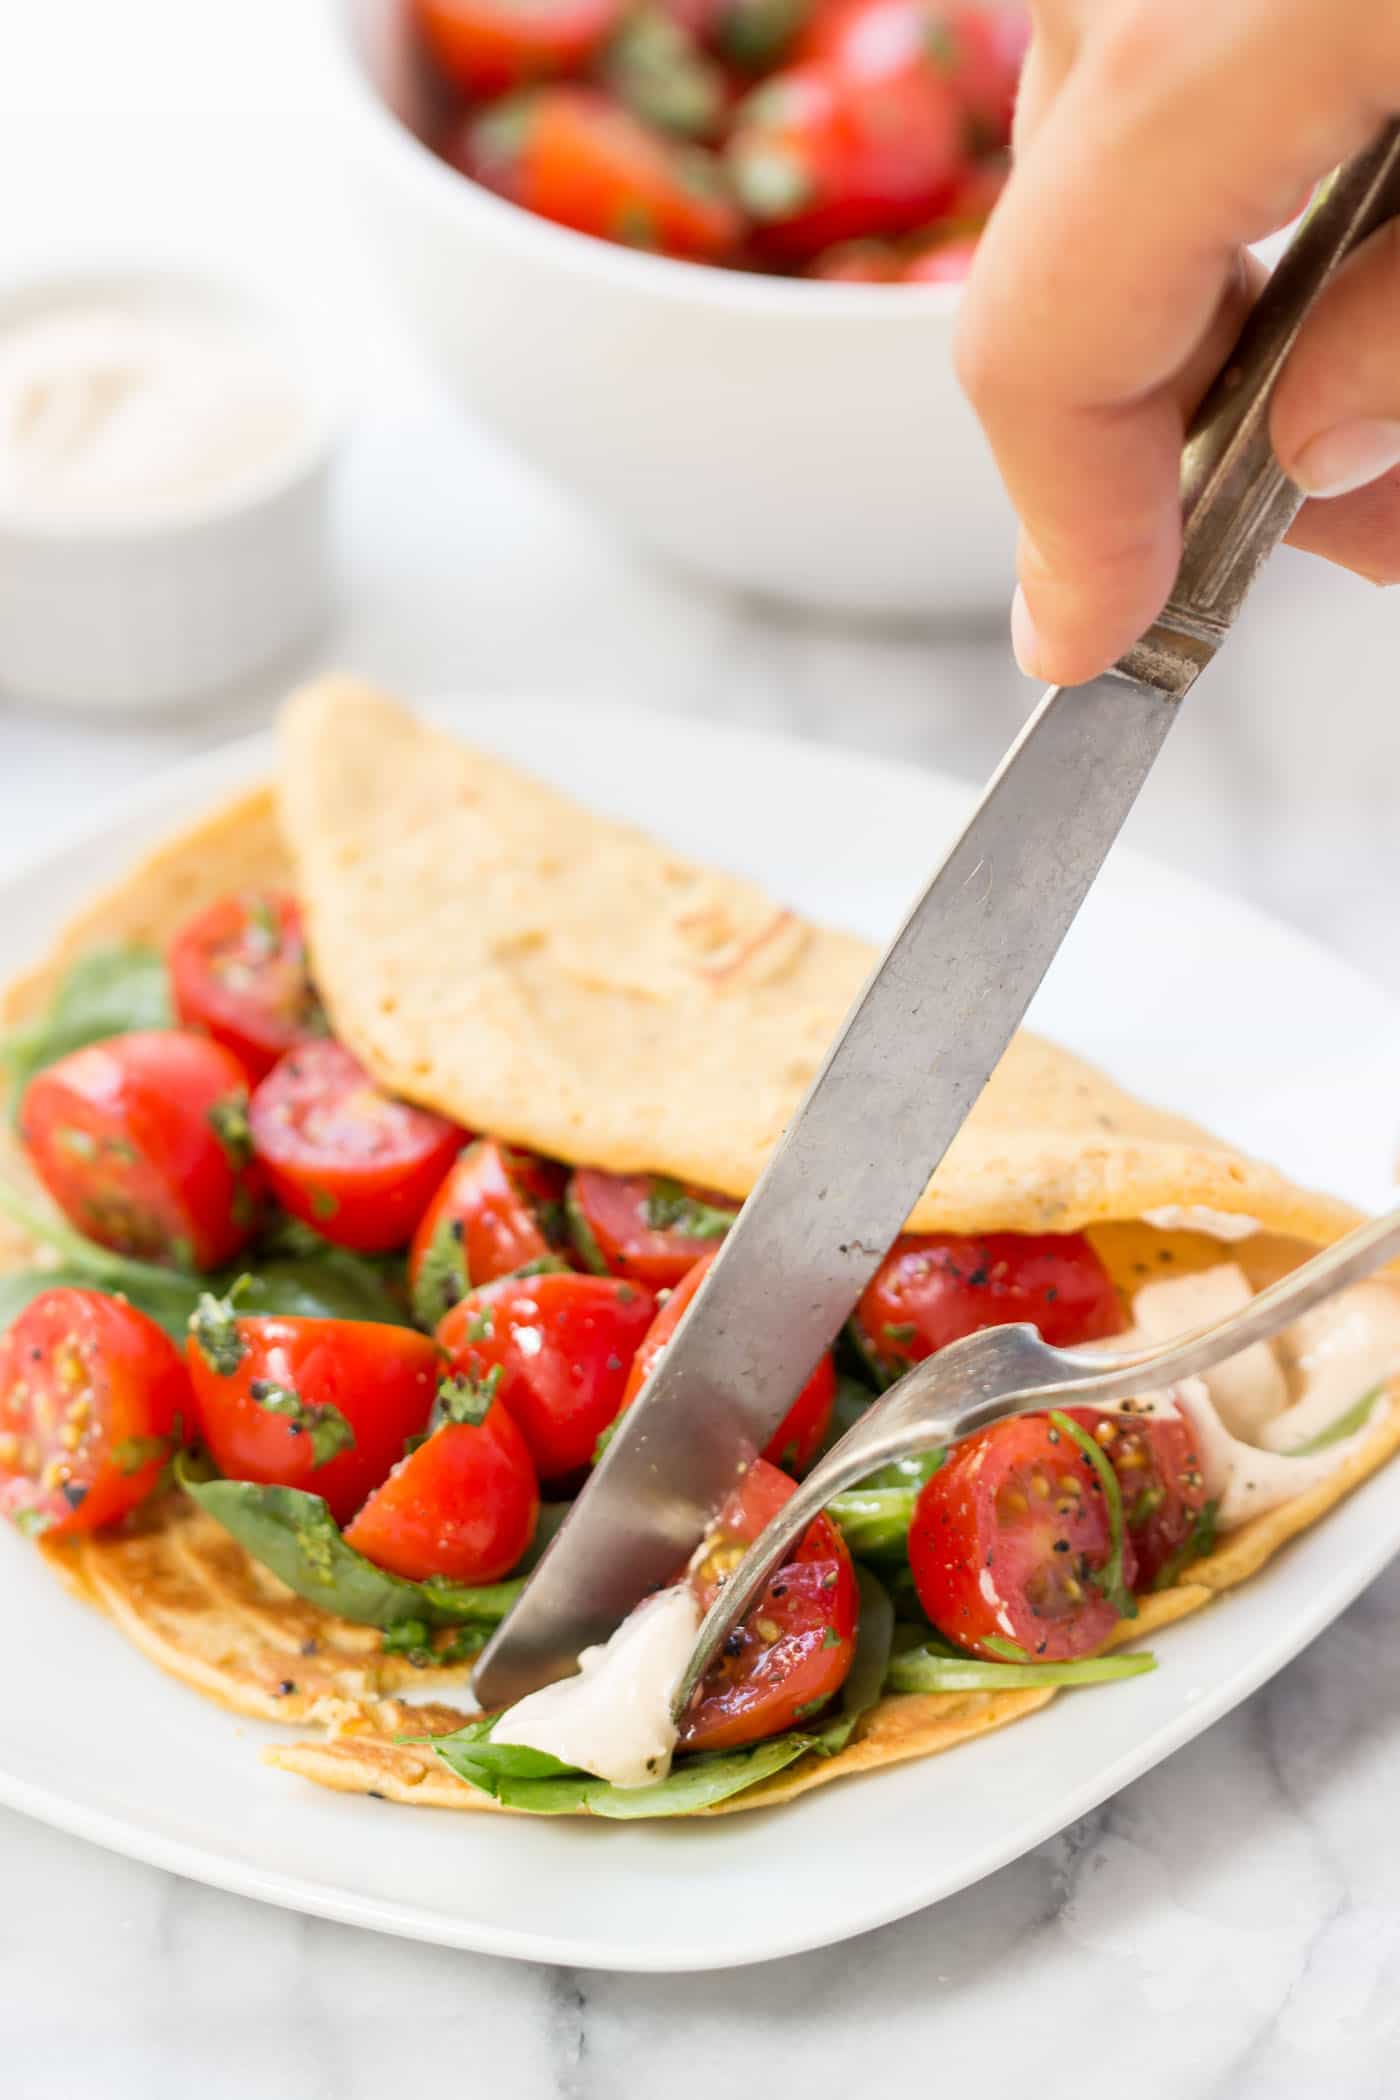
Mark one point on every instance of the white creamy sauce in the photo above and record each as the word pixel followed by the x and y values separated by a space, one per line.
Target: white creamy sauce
pixel 1196 1217
pixel 122 411
pixel 614 1718
pixel 1251 1421
pixel 1249 1389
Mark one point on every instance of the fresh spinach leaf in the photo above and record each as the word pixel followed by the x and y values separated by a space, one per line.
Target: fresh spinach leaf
pixel 928 1669
pixel 111 991
pixel 875 1521
pixel 529 1779
pixel 326 1284
pixel 293 1533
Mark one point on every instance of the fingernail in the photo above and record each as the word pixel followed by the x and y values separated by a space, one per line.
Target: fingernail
pixel 1348 457
pixel 1024 638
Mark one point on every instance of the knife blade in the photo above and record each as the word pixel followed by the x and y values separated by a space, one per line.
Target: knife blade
pixel 933 1020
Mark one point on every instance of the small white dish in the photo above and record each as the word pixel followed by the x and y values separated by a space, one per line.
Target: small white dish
pixel 1298 1061
pixel 148 608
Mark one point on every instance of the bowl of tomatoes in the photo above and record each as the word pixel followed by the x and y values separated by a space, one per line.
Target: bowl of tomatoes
pixel 700 262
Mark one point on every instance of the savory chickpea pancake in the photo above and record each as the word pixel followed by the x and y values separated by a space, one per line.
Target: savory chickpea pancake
pixel 366 1143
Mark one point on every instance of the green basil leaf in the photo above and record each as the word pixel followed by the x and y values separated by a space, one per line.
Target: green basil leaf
pixel 581 1233
pixel 293 1533
pixel 442 1278
pixel 111 991
pixel 1109 1580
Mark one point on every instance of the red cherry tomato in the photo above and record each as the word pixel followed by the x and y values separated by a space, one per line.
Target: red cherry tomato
pixel 497 1210
pixel 1007 1539
pixel 1157 1460
pixel 486 46
pixel 824 153
pixel 857 262
pixel 933 1288
pixel 463 1505
pixel 143 1142
pixel 325 1405
pixel 238 971
pixel 642 1226
pixel 941 262
pixel 564 1345
pixel 978 48
pixel 344 1157
pixel 800 1434
pixel 792 1652
pixel 571 155
pixel 93 1398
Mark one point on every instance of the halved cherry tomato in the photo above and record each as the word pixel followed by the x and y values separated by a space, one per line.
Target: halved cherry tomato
pixel 238 972
pixel 497 1210
pixel 325 1405
pixel 1157 1459
pixel 857 262
pixel 93 1398
pixel 485 46
pixel 143 1142
pixel 344 1157
pixel 644 1226
pixel 933 1288
pixel 1007 1540
pixel 941 262
pixel 463 1505
pixel 564 1345
pixel 799 1435
pixel 824 153
pixel 571 155
pixel 792 1652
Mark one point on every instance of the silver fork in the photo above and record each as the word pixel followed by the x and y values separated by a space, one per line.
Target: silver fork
pixel 1011 1371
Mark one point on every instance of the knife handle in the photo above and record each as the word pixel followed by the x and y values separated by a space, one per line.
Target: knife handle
pixel 1237 503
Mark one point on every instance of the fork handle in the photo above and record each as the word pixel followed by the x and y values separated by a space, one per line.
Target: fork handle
pixel 1237 503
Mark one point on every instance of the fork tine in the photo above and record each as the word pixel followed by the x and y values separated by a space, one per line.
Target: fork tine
pixel 1009 1370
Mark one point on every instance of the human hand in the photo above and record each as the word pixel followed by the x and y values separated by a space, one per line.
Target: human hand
pixel 1153 143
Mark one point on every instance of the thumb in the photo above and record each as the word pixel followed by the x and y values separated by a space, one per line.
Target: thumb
pixel 1335 419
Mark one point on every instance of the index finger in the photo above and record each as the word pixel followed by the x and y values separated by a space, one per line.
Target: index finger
pixel 1110 286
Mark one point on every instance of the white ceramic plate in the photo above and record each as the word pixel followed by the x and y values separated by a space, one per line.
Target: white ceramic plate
pixel 1194 999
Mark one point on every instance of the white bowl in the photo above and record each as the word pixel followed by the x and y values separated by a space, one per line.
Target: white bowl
pixel 806 441
pixel 153 611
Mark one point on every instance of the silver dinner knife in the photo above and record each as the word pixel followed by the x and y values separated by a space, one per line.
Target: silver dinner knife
pixel 943 1003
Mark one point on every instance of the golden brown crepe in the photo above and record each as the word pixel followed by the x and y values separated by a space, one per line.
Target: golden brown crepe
pixel 614 1005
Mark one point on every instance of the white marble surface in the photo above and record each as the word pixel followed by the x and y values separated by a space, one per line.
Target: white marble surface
pixel 1230 1925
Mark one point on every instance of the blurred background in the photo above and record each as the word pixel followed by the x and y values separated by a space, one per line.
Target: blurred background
pixel 236 143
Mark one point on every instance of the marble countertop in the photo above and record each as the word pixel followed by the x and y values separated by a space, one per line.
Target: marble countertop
pixel 1229 1925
